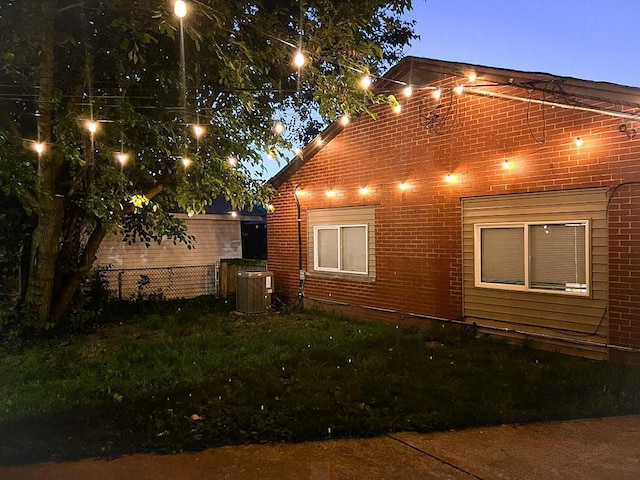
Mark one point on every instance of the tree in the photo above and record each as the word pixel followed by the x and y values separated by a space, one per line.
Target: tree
pixel 146 78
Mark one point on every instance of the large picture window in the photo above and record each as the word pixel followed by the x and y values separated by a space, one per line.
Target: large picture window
pixel 341 248
pixel 548 257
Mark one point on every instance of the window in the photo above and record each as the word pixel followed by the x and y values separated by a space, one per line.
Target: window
pixel 341 248
pixel 546 257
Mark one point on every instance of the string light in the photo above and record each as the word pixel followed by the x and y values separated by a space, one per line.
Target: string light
pixel 458 89
pixel 472 76
pixel 506 165
pixel 319 141
pixel 299 59
pixel 234 214
pixel 180 8
pixel 330 193
pixel 397 108
pixel 344 119
pixel 123 157
pixel 404 186
pixel 449 178
pixel 198 130
pixel 186 162
pixel 91 125
pixel 38 147
pixel 437 93
pixel 579 142
pixel 278 128
pixel 233 161
pixel 407 91
pixel 365 81
pixel 364 190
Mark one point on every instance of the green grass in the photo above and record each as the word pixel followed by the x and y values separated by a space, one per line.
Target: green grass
pixel 185 376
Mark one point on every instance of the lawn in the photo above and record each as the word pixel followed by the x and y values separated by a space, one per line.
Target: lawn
pixel 190 375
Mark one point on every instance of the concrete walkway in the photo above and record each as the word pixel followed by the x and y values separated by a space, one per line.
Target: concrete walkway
pixel 607 448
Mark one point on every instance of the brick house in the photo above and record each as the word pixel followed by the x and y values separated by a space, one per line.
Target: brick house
pixel 502 198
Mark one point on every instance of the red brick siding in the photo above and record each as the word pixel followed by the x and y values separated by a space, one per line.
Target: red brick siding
pixel 418 232
pixel 624 270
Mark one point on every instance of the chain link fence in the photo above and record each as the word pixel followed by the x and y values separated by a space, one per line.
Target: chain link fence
pixel 161 283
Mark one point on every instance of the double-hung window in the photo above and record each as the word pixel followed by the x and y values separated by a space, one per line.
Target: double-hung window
pixel 542 257
pixel 341 248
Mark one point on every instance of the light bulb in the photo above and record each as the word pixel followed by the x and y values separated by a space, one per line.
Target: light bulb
pixel 365 81
pixel 407 91
pixel 579 142
pixel 278 128
pixel 403 186
pixel 198 130
pixel 186 162
pixel 180 8
pixel 299 60
pixel 437 93
pixel 397 108
pixel 472 77
pixel 234 214
pixel 38 147
pixel 122 158
pixel 319 141
pixel 330 193
pixel 506 164
pixel 92 126
pixel 449 178
pixel 344 119
pixel 364 190
pixel 233 161
pixel 458 89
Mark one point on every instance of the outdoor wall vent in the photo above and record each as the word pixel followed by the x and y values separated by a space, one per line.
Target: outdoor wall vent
pixel 253 293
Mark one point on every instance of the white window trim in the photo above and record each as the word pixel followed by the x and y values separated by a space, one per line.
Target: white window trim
pixel 317 268
pixel 477 255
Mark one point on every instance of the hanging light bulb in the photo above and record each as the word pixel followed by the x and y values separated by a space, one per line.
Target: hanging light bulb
pixel 364 190
pixel 186 162
pixel 278 128
pixel 397 108
pixel 299 59
pixel 180 8
pixel 506 165
pixel 122 158
pixel 319 141
pixel 458 89
pixel 579 142
pixel 91 125
pixel 234 214
pixel 365 81
pixel 38 147
pixel 330 193
pixel 437 93
pixel 407 91
pixel 233 161
pixel 472 76
pixel 449 178
pixel 404 186
pixel 344 119
pixel 198 130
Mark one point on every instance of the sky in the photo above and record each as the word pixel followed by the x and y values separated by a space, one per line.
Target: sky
pixel 585 39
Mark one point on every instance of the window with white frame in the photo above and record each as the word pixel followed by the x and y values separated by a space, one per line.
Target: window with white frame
pixel 341 248
pixel 542 257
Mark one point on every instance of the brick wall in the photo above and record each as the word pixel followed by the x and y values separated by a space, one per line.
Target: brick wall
pixel 418 230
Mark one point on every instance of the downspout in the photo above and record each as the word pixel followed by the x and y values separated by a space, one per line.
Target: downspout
pixel 300 270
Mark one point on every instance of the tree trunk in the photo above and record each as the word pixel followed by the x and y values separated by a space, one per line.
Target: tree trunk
pixel 65 295
pixel 46 236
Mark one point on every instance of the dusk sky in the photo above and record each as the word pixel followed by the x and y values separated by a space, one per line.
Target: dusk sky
pixel 586 39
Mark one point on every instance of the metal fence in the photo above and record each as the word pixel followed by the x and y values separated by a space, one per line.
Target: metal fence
pixel 161 283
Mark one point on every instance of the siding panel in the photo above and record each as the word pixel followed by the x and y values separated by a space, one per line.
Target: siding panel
pixel 555 315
